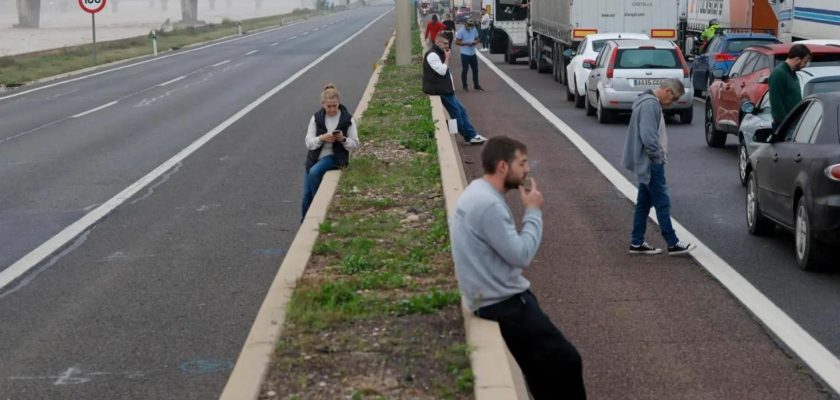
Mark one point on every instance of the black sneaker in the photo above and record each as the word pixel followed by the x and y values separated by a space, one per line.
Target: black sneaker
pixel 479 89
pixel 644 248
pixel 680 248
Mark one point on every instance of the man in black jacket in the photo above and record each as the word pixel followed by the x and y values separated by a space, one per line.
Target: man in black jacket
pixel 437 81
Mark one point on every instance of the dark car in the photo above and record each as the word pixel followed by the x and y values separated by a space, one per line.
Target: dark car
pixel 747 80
pixel 794 179
pixel 462 15
pixel 720 53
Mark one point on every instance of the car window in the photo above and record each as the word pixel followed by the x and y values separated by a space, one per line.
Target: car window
pixel 817 60
pixel 749 64
pixel 735 70
pixel 821 87
pixel 712 47
pixel 764 105
pixel 582 47
pixel 810 123
pixel 737 46
pixel 647 59
pixel 762 62
pixel 788 126
pixel 602 57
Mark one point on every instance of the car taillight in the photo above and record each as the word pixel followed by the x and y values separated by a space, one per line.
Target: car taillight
pixel 611 65
pixel 682 61
pixel 833 172
pixel 723 57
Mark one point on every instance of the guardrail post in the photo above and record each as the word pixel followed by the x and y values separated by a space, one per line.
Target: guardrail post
pixel 153 35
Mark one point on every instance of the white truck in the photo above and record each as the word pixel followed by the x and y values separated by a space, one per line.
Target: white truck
pixel 558 26
pixel 809 19
pixel 509 32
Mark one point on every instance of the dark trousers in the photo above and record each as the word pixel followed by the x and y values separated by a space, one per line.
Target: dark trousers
pixel 551 364
pixel 468 62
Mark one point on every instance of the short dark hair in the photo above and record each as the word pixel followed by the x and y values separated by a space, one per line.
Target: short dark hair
pixel 798 51
pixel 500 148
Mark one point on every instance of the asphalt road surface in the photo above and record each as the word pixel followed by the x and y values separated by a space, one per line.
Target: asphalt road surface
pixel 708 199
pixel 155 300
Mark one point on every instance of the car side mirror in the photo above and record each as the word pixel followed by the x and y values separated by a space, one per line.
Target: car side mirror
pixel 764 79
pixel 568 53
pixel 588 64
pixel 720 74
pixel 763 135
pixel 748 107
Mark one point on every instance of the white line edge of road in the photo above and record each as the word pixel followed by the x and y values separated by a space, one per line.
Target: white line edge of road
pixel 91 111
pixel 55 243
pixel 812 352
pixel 109 70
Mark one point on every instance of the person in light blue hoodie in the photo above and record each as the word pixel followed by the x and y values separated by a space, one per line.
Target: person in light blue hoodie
pixel 646 153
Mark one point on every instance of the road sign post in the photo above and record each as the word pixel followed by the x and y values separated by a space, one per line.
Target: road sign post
pixel 92 7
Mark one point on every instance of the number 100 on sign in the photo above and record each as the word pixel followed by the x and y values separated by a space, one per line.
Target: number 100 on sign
pixel 92 6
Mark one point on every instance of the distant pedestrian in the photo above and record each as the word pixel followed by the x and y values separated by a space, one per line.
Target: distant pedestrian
pixel 449 32
pixel 785 92
pixel 645 153
pixel 331 136
pixel 485 30
pixel 467 38
pixel 437 81
pixel 490 255
pixel 432 29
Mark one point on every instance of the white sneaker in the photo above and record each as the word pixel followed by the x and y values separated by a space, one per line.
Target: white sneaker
pixel 478 139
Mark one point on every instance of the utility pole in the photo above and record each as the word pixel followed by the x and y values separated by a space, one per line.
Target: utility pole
pixel 403 32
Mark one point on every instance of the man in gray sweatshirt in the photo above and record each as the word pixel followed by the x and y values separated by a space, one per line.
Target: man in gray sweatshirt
pixel 490 256
pixel 645 153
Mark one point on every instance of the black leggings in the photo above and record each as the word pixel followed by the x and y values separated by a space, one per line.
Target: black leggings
pixel 551 364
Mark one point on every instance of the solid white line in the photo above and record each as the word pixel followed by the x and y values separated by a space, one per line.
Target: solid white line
pixel 252 52
pixel 825 364
pixel 82 114
pixel 179 53
pixel 36 256
pixel 220 63
pixel 173 80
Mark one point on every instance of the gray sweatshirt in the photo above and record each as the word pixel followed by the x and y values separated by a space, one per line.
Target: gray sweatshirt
pixel 645 137
pixel 489 253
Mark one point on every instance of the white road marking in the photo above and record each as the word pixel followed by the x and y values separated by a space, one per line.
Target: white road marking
pixel 293 37
pixel 172 81
pixel 275 44
pixel 315 29
pixel 305 33
pixel 825 364
pixel 82 114
pixel 252 52
pixel 218 64
pixel 53 244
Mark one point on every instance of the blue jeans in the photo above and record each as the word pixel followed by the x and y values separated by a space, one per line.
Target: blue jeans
pixel 484 36
pixel 467 62
pixel 653 194
pixel 312 180
pixel 456 110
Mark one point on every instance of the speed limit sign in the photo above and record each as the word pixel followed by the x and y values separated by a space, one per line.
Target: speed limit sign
pixel 92 6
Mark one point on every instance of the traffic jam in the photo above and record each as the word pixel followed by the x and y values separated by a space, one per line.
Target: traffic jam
pixel 724 52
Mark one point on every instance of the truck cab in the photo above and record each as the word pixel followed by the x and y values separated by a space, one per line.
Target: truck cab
pixel 509 30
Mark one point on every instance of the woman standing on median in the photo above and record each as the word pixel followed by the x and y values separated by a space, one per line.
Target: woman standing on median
pixel 331 136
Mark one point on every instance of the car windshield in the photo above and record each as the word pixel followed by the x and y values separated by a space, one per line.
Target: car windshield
pixel 737 46
pixel 817 60
pixel 647 59
pixel 821 87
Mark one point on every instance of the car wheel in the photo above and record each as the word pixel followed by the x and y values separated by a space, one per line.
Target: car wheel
pixel 570 96
pixel 743 160
pixel 808 251
pixel 578 98
pixel 587 106
pixel 757 223
pixel 714 137
pixel 603 115
pixel 687 115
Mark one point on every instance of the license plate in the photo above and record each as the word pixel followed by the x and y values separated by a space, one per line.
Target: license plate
pixel 649 82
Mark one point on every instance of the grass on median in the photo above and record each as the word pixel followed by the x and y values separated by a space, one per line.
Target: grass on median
pixel 18 70
pixel 376 314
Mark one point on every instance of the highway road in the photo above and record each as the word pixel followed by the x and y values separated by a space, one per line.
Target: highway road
pixel 708 199
pixel 154 300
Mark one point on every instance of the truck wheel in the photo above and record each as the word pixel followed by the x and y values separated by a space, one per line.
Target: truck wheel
pixel 532 60
pixel 555 68
pixel 509 53
pixel 542 66
pixel 561 64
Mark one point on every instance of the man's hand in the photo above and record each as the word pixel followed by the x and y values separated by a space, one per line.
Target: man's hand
pixel 327 137
pixel 531 198
pixel 447 52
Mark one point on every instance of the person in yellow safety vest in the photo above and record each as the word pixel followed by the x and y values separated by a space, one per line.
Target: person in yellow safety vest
pixel 711 31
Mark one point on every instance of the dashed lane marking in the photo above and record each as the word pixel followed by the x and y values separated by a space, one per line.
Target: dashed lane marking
pixel 91 111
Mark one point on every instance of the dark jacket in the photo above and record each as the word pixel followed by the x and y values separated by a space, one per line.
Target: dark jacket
pixel 785 92
pixel 435 84
pixel 340 154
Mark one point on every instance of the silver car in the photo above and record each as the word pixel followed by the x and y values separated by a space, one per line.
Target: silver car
pixel 625 69
pixel 811 80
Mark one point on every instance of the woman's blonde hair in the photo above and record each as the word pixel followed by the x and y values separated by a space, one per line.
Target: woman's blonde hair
pixel 330 92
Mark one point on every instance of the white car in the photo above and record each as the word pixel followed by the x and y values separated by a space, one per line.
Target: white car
pixel 588 49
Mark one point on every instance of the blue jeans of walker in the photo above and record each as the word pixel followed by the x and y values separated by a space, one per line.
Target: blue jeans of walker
pixel 456 110
pixel 654 194
pixel 468 62
pixel 312 180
